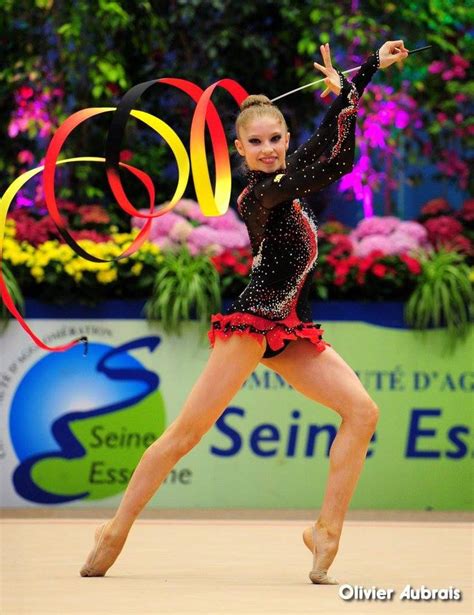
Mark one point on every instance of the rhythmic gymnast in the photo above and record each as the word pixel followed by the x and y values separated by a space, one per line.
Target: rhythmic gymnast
pixel 270 322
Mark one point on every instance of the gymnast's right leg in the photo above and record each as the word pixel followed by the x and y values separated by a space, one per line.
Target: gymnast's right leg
pixel 231 362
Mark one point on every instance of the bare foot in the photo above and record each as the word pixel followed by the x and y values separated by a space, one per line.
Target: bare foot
pixel 107 547
pixel 308 538
pixel 324 548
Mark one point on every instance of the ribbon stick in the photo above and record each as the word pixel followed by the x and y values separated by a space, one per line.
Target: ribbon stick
pixel 344 72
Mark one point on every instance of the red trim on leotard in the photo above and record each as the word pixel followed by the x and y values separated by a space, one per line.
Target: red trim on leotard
pixel 275 331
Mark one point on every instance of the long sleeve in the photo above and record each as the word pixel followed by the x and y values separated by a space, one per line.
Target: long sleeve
pixel 317 143
pixel 366 72
pixel 307 170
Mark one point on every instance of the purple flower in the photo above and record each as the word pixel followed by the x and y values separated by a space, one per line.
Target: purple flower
pixel 376 135
pixel 23 201
pixel 402 119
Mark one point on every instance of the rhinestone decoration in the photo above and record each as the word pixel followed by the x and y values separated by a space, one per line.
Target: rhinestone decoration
pixel 283 229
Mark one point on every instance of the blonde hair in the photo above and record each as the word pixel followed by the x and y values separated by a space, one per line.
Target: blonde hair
pixel 256 106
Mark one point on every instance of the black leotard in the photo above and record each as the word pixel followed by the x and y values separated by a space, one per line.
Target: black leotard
pixel 283 228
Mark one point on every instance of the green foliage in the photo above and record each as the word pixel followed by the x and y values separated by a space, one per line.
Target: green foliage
pixel 15 293
pixel 443 296
pixel 185 285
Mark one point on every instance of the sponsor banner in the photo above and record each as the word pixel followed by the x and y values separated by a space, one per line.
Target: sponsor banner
pixel 74 427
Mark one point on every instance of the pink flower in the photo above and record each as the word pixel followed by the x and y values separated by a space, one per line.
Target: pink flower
pixel 413 229
pixel 370 243
pixel 160 226
pixel 401 243
pixel 202 236
pixel 436 67
pixel 229 221
pixel 233 239
pixel 459 72
pixel 190 209
pixel 376 225
pixel 25 157
pixel 448 75
pixel 459 61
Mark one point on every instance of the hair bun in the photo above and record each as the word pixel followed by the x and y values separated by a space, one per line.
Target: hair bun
pixel 258 100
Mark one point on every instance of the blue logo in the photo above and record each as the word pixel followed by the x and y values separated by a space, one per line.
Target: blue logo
pixel 79 425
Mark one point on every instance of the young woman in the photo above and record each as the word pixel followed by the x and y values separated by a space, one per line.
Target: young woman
pixel 270 322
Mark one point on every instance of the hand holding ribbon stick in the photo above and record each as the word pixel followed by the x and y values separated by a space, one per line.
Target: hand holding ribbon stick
pixel 389 53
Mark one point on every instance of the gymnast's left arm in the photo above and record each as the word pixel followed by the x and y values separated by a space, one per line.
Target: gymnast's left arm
pixel 336 82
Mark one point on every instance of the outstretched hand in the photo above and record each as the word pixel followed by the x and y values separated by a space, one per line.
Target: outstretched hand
pixel 332 80
pixel 391 52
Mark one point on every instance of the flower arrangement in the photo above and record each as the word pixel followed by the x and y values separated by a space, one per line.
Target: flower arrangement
pixel 449 229
pixel 52 271
pixel 389 235
pixel 187 225
pixel 371 274
pixel 191 261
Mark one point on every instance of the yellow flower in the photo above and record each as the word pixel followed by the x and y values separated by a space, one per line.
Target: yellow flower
pixel 137 268
pixel 37 273
pixel 10 228
pixel 104 277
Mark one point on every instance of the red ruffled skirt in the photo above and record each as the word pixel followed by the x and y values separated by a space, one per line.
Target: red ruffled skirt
pixel 276 332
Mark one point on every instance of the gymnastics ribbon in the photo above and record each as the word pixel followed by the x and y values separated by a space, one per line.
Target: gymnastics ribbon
pixel 212 203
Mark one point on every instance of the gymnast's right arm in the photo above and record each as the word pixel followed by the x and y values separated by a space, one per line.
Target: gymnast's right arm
pixel 307 169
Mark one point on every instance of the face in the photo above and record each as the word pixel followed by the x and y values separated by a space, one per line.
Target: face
pixel 263 142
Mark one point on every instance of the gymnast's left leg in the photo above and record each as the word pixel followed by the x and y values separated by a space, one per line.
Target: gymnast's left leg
pixel 327 379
